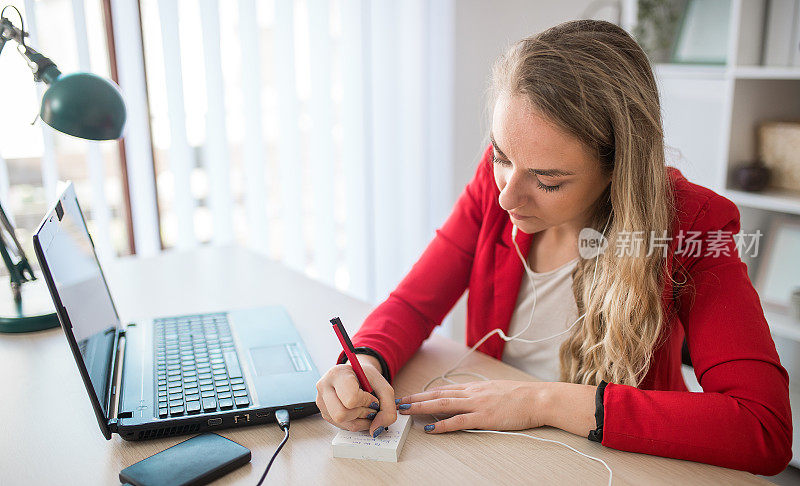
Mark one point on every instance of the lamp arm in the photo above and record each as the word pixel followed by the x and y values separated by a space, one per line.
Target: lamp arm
pixel 43 68
pixel 23 267
pixel 9 32
pixel 20 271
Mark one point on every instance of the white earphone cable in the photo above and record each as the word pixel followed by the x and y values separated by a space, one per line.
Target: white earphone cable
pixel 450 372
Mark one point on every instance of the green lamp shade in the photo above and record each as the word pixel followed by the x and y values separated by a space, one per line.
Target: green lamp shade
pixel 85 106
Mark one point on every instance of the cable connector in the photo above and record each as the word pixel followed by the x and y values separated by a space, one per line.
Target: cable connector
pixel 282 416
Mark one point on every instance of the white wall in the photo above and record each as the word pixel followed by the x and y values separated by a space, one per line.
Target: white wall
pixel 483 30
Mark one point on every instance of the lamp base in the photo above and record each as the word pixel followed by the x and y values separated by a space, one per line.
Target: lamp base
pixel 36 313
pixel 28 323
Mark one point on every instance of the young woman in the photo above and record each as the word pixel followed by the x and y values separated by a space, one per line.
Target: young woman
pixel 577 142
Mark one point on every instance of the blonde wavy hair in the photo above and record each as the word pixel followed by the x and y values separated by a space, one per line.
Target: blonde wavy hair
pixel 594 81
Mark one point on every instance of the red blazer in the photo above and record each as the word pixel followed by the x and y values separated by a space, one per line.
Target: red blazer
pixel 742 420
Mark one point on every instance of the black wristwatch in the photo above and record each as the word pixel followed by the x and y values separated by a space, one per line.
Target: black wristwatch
pixel 376 355
pixel 597 434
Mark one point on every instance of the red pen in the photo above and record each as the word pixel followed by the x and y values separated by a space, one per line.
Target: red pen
pixel 350 352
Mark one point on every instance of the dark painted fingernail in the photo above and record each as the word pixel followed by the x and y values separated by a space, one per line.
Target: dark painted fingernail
pixel 374 406
pixel 378 432
pixel 404 406
pixel 429 427
pixel 372 415
pixel 396 401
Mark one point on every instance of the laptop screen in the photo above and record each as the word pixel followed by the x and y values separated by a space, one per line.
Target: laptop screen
pixel 75 272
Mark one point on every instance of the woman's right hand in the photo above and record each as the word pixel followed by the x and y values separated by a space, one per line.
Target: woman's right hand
pixel 344 404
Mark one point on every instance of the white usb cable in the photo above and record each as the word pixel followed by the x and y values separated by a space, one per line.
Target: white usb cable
pixel 447 374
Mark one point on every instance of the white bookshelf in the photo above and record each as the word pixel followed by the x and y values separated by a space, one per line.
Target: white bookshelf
pixel 711 114
pixel 701 71
pixel 770 200
pixel 690 71
pixel 765 72
pixel 783 325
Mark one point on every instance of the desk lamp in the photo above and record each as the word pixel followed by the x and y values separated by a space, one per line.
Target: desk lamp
pixel 83 105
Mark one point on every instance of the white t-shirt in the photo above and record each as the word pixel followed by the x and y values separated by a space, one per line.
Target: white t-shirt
pixel 555 311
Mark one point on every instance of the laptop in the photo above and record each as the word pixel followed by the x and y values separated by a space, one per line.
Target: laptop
pixel 169 375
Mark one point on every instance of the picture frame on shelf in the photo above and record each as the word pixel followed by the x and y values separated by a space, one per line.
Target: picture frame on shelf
pixel 703 34
pixel 779 272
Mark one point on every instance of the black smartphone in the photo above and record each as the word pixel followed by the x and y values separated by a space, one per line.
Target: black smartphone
pixel 199 460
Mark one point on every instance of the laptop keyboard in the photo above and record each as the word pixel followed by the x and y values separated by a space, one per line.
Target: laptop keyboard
pixel 197 367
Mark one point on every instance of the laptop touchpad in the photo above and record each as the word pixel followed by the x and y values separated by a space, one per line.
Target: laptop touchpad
pixel 273 360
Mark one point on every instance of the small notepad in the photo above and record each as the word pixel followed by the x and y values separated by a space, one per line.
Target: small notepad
pixel 361 445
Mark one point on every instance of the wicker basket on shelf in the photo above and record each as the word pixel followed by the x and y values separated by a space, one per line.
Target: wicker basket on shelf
pixel 779 149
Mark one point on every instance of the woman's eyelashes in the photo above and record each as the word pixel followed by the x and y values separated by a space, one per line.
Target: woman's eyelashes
pixel 504 163
pixel 544 187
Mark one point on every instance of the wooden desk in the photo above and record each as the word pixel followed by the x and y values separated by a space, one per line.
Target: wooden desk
pixel 50 435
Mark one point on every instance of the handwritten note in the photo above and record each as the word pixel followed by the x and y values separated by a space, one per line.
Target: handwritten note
pixel 361 445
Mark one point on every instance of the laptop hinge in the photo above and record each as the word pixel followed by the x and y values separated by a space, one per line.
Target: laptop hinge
pixel 115 385
pixel 112 425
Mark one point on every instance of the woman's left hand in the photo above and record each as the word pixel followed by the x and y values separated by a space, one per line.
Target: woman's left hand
pixel 487 405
